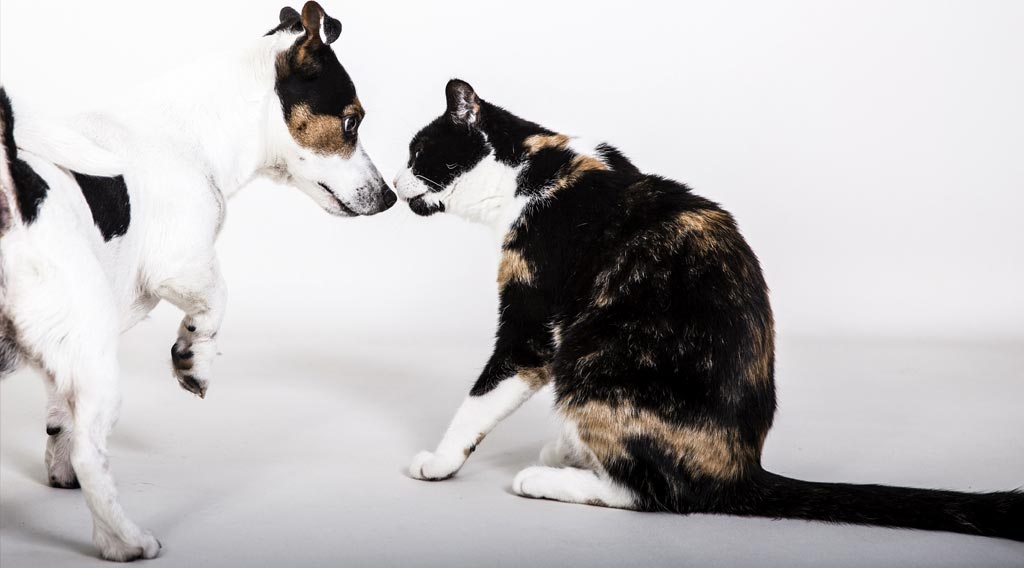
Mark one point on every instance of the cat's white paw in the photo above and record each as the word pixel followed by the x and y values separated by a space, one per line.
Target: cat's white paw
pixel 538 482
pixel 141 545
pixel 429 466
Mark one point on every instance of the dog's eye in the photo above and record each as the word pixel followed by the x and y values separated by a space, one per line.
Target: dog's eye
pixel 351 124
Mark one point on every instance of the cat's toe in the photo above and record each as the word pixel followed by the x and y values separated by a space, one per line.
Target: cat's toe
pixel 429 466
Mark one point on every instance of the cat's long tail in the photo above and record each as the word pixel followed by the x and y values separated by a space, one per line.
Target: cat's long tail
pixel 998 514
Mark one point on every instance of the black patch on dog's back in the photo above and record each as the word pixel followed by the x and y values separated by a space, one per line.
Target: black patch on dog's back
pixel 7 115
pixel 108 200
pixel 29 187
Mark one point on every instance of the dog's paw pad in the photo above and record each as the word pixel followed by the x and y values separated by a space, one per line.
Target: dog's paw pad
pixel 182 357
pixel 194 385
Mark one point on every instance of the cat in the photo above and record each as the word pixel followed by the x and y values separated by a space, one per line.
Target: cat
pixel 646 309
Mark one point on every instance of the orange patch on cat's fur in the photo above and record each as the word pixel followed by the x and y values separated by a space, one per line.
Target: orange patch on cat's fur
pixel 538 142
pixel 712 451
pixel 514 267
pixel 536 377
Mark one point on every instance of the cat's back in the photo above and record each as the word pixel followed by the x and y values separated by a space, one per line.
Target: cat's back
pixel 646 239
pixel 667 287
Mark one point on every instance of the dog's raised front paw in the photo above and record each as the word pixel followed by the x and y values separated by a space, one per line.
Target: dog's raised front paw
pixel 191 364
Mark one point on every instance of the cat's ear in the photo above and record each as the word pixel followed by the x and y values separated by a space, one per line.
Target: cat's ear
pixel 463 104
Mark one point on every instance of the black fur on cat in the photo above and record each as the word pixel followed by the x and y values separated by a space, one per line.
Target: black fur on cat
pixel 645 307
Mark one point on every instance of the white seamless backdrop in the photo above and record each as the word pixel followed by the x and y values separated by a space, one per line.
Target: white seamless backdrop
pixel 872 151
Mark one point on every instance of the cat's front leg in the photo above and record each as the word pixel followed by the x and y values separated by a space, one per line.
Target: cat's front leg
pixel 503 386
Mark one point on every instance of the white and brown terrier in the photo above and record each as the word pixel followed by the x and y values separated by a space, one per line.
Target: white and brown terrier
pixel 105 214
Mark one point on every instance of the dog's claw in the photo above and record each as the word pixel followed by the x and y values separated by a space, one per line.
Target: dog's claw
pixel 189 383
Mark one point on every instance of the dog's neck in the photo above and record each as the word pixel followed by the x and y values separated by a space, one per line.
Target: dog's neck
pixel 224 113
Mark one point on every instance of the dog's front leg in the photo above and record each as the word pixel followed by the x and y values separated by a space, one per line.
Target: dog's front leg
pixel 201 294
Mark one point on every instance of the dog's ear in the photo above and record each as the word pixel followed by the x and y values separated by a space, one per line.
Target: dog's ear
pixel 463 103
pixel 321 29
pixel 289 20
pixel 289 17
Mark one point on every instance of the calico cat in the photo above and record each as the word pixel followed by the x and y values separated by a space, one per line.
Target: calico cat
pixel 647 310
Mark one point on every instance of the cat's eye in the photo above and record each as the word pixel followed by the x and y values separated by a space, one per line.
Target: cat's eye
pixel 351 124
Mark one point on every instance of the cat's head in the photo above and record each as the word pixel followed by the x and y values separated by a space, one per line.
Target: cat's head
pixel 470 159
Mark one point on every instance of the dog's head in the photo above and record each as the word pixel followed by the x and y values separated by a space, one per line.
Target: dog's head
pixel 317 143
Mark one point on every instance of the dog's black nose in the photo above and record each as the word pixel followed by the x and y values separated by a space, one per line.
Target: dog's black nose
pixel 389 198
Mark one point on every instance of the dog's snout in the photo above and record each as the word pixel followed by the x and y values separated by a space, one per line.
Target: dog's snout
pixel 380 197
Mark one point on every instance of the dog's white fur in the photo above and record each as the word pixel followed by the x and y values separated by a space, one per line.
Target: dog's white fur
pixel 191 142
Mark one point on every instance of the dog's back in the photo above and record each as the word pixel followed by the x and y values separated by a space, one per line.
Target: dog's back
pixel 8 216
pixel 8 153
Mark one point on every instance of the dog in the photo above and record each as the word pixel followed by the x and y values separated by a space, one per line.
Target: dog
pixel 105 214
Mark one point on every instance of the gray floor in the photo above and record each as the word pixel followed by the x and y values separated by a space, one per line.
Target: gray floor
pixel 297 456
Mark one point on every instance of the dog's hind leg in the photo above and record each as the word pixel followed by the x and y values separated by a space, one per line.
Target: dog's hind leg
pixel 59 441
pixel 78 348
pixel 96 400
pixel 200 293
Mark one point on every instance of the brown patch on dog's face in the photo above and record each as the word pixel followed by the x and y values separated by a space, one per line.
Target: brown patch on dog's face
pixel 323 133
pixel 711 451
pixel 317 96
pixel 514 268
pixel 538 142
